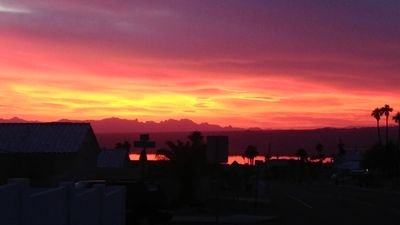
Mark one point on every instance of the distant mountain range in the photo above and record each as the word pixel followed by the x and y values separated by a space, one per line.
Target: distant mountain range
pixel 112 130
pixel 117 125
pixel 15 120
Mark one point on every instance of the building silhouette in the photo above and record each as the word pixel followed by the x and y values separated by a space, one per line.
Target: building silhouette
pixel 47 152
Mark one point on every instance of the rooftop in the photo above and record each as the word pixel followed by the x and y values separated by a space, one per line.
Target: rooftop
pixel 43 137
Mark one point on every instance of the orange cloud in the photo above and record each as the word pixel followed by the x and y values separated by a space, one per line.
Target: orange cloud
pixel 149 61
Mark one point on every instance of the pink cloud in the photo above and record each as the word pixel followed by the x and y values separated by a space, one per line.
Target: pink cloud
pixel 240 60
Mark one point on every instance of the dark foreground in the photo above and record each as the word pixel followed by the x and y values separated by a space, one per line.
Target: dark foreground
pixel 317 204
pixel 330 204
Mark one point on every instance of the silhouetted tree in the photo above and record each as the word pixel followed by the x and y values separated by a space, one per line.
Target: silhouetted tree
pixel 196 138
pixel 342 151
pixel 118 145
pixel 198 146
pixel 269 152
pixel 188 160
pixel 303 158
pixel 396 118
pixel 124 145
pixel 386 110
pixel 127 145
pixel 250 153
pixel 320 149
pixel 383 160
pixel 186 152
pixel 377 113
pixel 302 154
pixel 178 153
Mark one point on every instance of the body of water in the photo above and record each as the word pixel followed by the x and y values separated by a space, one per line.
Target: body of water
pixel 232 158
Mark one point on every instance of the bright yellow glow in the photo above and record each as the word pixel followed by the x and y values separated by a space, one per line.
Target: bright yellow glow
pixel 46 81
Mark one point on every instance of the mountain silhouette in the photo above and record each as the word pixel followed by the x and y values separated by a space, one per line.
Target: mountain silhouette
pixel 16 120
pixel 112 130
pixel 118 125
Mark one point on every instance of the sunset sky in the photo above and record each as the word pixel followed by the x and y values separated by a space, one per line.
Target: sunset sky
pixel 268 64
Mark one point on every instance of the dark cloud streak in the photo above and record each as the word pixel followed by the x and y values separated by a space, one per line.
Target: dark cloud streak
pixel 341 41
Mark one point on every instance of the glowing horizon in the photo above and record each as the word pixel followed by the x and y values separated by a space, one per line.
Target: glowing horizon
pixel 259 64
pixel 232 158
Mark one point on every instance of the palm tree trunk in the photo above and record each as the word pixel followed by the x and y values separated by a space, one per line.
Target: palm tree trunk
pixel 379 132
pixel 387 129
pixel 399 132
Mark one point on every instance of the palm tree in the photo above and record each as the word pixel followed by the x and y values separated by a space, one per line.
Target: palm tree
pixel 386 110
pixel 196 138
pixel 118 145
pixel 180 158
pixel 191 152
pixel 123 145
pixel 396 118
pixel 377 113
pixel 188 160
pixel 320 149
pixel 302 154
pixel 177 153
pixel 342 151
pixel 250 153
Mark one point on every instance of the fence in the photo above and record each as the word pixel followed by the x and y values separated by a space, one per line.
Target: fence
pixel 65 205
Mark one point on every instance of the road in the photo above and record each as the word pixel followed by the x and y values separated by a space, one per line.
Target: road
pixel 310 204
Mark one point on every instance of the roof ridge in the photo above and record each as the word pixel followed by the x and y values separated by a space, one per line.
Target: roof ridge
pixel 44 137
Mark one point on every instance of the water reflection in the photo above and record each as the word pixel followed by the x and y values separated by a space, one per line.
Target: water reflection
pixel 232 158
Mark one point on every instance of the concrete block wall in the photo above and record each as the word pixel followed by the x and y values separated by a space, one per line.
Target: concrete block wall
pixel 48 206
pixel 81 202
pixel 65 205
pixel 10 208
pixel 114 204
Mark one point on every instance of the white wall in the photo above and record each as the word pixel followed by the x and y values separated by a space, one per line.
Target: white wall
pixel 48 206
pixel 114 207
pixel 9 204
pixel 22 205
